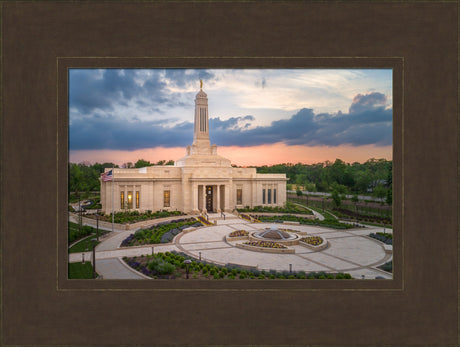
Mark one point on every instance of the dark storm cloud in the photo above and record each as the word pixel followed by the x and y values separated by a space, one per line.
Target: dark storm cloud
pixel 91 89
pixel 367 122
pixel 116 134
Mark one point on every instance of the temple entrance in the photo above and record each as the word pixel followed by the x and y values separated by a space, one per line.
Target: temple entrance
pixel 209 199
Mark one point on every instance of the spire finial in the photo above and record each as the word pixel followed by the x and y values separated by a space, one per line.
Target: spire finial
pixel 201 84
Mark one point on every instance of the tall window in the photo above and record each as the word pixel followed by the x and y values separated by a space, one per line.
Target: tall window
pixel 263 196
pixel 274 196
pixel 130 200
pixel 202 119
pixel 122 199
pixel 137 199
pixel 269 196
pixel 166 198
pixel 239 196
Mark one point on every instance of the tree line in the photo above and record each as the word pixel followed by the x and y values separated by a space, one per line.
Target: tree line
pixel 84 177
pixel 374 177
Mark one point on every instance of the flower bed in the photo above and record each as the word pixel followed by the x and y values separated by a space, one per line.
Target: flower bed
pixel 265 244
pixel 204 221
pixel 315 243
pixel 312 240
pixel 245 217
pixel 238 233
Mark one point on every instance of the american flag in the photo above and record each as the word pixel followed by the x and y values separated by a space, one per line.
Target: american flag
pixel 107 176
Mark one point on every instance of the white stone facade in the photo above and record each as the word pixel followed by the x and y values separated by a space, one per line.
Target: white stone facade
pixel 200 181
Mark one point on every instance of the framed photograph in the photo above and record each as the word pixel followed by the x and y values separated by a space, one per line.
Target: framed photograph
pixel 65 72
pixel 274 185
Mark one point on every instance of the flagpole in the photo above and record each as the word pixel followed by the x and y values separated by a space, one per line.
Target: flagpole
pixel 113 179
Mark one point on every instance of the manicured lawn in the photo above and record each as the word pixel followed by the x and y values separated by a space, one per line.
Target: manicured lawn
pixel 84 245
pixel 81 271
pixel 289 208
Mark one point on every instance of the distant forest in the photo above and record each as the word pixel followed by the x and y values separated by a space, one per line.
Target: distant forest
pixel 374 177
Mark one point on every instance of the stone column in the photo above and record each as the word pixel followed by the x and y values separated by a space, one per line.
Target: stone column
pixel 204 197
pixel 195 197
pixel 227 197
pixel 218 197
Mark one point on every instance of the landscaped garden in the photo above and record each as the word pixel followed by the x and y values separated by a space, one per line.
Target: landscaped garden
pixel 136 216
pixel 170 265
pixel 384 237
pixel 160 233
pixel 306 221
pixel 76 233
pixel 288 208
pixel 370 218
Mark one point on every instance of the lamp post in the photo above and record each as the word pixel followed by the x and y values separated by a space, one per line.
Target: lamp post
pixel 94 242
pixel 97 224
pixel 187 263
pixel 199 255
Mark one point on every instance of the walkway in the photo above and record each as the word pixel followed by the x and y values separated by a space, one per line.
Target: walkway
pixel 349 250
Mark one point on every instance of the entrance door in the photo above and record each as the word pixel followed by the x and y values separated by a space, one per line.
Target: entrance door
pixel 209 199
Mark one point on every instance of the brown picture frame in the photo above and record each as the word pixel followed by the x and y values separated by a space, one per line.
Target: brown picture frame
pixel 41 40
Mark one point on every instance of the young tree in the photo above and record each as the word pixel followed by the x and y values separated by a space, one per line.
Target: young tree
pixel 336 197
pixel 355 200
pixel 298 192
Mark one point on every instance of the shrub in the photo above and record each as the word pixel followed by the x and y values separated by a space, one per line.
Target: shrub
pixel 160 266
pixel 271 277
pixel 291 277
pixel 322 277
pixel 330 277
pixel 261 277
pixel 339 277
pixel 242 275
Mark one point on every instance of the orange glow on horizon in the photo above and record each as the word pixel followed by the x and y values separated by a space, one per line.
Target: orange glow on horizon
pixel 277 153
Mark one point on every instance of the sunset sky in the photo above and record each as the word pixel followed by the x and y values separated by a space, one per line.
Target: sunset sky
pixel 256 117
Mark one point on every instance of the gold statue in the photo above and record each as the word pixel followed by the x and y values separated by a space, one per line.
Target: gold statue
pixel 201 84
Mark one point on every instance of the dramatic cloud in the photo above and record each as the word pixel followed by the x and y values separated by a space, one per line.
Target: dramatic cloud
pixel 92 90
pixel 368 122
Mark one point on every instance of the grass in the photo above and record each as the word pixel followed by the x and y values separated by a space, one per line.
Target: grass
pixel 326 214
pixel 289 208
pixel 81 271
pixel 82 245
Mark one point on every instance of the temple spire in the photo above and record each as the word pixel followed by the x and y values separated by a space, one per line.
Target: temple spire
pixel 201 128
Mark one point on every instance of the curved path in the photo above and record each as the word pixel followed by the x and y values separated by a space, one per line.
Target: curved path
pixel 350 250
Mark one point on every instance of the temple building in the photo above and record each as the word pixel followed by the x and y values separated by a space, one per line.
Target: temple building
pixel 201 181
